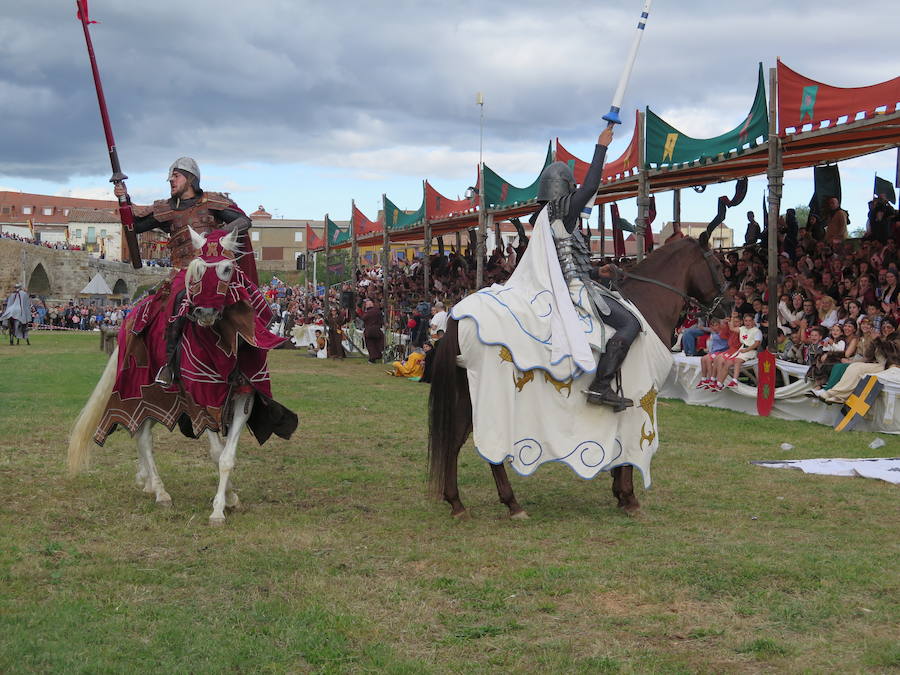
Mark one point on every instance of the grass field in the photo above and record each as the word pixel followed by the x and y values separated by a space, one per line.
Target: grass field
pixel 337 562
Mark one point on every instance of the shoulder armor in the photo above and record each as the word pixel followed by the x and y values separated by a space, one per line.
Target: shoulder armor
pixel 162 210
pixel 216 201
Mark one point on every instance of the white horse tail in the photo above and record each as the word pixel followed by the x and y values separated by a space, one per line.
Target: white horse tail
pixel 81 440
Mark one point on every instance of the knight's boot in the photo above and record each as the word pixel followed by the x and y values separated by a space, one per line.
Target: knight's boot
pixel 601 392
pixel 168 374
pixel 27 342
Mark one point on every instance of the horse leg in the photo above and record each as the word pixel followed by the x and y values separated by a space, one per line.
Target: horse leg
pixel 243 404
pixel 216 447
pixel 617 484
pixel 147 467
pixel 627 501
pixel 505 491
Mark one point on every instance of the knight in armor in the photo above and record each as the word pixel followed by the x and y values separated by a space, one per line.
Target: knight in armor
pixel 564 200
pixel 189 206
pixel 17 315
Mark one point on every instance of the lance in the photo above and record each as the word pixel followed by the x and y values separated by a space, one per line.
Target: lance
pixel 118 178
pixel 613 115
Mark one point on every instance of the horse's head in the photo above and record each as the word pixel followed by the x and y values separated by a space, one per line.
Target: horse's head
pixel 209 275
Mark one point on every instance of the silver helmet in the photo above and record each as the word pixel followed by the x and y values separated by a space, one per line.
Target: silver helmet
pixel 187 165
pixel 556 181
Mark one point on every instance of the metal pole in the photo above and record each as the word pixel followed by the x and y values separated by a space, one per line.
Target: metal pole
pixel 775 175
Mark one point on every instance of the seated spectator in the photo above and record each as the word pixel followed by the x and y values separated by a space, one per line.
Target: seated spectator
pixel 413 367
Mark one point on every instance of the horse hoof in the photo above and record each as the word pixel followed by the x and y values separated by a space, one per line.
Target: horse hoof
pixel 232 502
pixel 461 515
pixel 630 508
pixel 519 515
pixel 164 502
pixel 216 521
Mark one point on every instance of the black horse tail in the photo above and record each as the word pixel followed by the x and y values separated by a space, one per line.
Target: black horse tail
pixel 449 410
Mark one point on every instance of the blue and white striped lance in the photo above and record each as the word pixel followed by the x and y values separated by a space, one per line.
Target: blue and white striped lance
pixel 613 115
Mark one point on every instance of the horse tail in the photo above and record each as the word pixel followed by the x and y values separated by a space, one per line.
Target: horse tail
pixel 81 440
pixel 449 410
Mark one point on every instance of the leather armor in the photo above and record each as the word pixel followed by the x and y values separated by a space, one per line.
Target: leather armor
pixel 200 216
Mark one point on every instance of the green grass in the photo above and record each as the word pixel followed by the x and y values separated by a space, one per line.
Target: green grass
pixel 337 561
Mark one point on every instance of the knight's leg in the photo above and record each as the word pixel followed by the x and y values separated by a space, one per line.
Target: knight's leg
pixel 216 447
pixel 505 491
pixel 243 404
pixel 153 483
pixel 601 391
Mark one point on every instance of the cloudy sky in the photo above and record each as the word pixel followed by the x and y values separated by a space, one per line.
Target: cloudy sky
pixel 302 106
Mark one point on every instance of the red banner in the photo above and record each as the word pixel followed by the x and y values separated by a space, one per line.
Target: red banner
pixel 362 226
pixel 313 241
pixel 437 206
pixel 625 165
pixel 804 101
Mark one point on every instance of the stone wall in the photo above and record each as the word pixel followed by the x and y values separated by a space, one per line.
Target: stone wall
pixel 59 276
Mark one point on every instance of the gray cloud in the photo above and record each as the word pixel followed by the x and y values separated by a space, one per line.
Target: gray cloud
pixel 342 83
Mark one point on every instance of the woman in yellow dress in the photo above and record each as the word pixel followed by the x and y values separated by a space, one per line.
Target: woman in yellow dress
pixel 413 367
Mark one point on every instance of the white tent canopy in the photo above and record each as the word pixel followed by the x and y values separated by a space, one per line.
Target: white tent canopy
pixel 97 286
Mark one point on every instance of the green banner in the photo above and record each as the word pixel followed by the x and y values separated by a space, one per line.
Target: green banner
pixel 396 219
pixel 667 146
pixel 498 193
pixel 336 235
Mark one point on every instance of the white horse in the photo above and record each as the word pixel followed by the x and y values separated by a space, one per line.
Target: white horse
pixel 217 297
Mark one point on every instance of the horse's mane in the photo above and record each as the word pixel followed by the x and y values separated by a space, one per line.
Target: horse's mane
pixel 662 254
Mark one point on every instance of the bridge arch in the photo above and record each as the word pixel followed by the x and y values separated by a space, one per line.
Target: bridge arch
pixel 39 282
pixel 120 287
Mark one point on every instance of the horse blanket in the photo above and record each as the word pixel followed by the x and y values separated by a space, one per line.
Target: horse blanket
pixel 229 357
pixel 528 348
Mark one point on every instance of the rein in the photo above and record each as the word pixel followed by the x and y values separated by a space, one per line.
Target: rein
pixel 716 275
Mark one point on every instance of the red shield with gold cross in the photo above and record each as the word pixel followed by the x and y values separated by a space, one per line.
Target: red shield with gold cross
pixel 765 382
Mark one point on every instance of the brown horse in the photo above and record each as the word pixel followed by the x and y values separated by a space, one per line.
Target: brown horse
pixel 659 286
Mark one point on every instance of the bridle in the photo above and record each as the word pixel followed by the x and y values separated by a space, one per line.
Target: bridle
pixel 714 271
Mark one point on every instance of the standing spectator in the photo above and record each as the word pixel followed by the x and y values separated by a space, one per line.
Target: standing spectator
pixel 836 227
pixel 438 318
pixel 753 230
pixel 17 315
pixel 372 330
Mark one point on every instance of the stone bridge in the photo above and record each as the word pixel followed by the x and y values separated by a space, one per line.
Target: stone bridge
pixel 59 276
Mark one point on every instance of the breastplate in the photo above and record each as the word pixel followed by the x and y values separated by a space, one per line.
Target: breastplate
pixel 198 217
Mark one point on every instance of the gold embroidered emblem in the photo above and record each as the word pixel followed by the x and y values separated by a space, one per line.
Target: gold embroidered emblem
pixel 559 385
pixel 648 401
pixel 528 376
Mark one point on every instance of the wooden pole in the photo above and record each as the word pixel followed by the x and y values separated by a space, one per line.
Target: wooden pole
pixel 481 239
pixel 459 242
pixel 326 304
pixel 354 244
pixel 385 257
pixel 601 227
pixel 640 223
pixel 676 211
pixel 426 263
pixel 776 176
